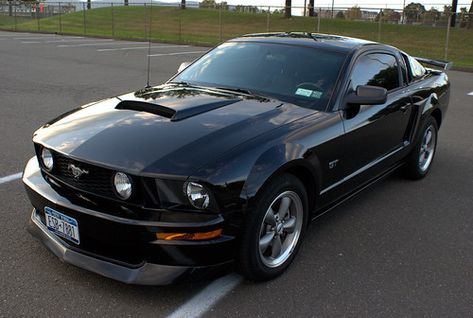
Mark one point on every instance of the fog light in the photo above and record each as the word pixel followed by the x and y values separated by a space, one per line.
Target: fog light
pixel 198 196
pixel 47 158
pixel 122 185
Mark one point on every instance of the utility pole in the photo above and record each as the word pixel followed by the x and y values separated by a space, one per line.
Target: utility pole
pixel 454 13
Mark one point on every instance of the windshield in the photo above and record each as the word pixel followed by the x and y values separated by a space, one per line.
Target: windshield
pixel 300 75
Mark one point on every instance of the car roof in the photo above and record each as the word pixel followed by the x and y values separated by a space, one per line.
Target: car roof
pixel 319 40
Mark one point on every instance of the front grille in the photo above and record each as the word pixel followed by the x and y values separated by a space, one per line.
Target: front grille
pixel 97 181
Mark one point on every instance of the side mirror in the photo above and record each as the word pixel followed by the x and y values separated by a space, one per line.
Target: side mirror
pixel 183 66
pixel 367 95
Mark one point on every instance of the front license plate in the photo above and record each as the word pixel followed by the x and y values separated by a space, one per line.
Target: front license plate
pixel 62 225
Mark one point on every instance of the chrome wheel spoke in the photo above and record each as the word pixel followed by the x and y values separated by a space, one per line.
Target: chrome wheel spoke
pixel 284 207
pixel 270 218
pixel 290 225
pixel 265 241
pixel 276 246
pixel 428 138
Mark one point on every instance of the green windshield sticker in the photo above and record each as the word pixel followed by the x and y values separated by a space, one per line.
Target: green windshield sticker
pixel 308 93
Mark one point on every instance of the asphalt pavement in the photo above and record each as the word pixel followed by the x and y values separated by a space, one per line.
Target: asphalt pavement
pixel 399 249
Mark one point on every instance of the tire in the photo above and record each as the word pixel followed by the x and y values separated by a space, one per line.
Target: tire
pixel 265 231
pixel 416 167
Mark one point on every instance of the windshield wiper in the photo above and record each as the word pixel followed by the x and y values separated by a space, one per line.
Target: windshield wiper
pixel 180 83
pixel 243 91
pixel 236 90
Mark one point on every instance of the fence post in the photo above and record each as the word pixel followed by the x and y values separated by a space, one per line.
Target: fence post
pixel 318 20
pixel 59 17
pixel 268 17
pixel 113 20
pixel 180 28
pixel 37 16
pixel 447 38
pixel 380 20
pixel 83 18
pixel 220 23
pixel 144 19
pixel 150 20
pixel 15 16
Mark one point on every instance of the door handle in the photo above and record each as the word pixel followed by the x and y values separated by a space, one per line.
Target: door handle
pixel 404 108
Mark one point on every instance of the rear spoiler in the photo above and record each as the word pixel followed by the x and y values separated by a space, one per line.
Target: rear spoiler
pixel 438 63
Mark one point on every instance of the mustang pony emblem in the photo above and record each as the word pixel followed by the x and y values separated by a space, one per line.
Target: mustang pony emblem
pixel 76 171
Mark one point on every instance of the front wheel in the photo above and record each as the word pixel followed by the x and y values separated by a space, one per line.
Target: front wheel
pixel 420 160
pixel 274 229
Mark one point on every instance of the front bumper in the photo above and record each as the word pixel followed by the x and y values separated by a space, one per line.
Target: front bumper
pixel 125 249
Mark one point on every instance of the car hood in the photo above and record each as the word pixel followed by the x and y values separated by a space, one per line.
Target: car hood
pixel 166 130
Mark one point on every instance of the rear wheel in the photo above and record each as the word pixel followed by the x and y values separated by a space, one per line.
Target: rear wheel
pixel 420 159
pixel 274 229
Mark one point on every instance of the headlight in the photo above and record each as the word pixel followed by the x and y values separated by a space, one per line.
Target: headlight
pixel 47 158
pixel 198 196
pixel 122 185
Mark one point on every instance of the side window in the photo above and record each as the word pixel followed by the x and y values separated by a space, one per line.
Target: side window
pixel 376 69
pixel 417 69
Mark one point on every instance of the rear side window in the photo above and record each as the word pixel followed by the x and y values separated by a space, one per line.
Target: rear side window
pixel 417 69
pixel 376 69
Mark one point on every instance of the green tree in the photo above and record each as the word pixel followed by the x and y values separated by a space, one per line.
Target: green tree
pixel 470 16
pixel 413 11
pixel 207 4
pixel 432 15
pixel 340 15
pixel 354 13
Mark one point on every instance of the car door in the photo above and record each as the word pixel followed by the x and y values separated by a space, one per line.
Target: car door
pixel 376 131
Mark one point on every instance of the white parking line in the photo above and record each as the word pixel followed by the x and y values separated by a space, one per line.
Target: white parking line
pixel 65 41
pixel 95 44
pixel 36 37
pixel 470 94
pixel 206 298
pixel 177 53
pixel 141 48
pixel 11 177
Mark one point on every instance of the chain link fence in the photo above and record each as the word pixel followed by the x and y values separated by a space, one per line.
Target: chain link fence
pixel 428 34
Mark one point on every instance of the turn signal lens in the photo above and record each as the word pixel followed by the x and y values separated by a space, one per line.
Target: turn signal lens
pixel 47 158
pixel 189 236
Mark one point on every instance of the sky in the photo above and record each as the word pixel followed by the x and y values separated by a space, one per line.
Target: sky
pixel 395 4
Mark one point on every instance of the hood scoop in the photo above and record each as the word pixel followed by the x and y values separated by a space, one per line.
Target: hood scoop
pixel 176 111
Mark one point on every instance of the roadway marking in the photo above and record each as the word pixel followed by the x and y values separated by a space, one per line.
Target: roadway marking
pixel 470 94
pixel 11 177
pixel 95 44
pixel 35 38
pixel 176 53
pixel 200 303
pixel 140 48
pixel 14 34
pixel 64 41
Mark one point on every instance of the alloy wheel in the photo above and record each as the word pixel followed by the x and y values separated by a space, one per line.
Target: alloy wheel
pixel 280 229
pixel 427 148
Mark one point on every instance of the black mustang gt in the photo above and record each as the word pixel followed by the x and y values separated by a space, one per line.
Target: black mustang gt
pixel 227 162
